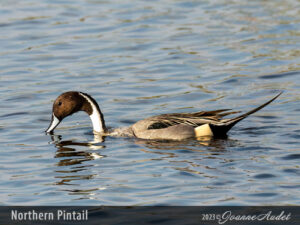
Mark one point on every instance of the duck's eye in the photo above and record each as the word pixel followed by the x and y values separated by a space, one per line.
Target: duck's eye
pixel 59 103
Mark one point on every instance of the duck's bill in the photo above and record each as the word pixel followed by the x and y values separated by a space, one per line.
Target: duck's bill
pixel 54 123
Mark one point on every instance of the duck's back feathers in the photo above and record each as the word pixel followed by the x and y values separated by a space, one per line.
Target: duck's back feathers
pixel 192 119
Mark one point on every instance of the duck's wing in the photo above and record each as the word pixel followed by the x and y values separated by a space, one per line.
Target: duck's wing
pixel 191 119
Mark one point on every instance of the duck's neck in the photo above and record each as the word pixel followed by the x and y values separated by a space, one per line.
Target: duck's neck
pixel 92 108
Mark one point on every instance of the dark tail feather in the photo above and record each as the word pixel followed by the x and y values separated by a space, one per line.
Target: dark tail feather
pixel 221 129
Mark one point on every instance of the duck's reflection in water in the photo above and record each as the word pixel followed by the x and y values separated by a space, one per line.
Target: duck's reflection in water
pixel 72 155
pixel 201 144
pixel 197 157
pixel 73 166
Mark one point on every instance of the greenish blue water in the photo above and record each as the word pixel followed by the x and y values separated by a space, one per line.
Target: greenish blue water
pixel 138 59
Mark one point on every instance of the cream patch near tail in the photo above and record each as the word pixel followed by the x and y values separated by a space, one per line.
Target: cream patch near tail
pixel 203 130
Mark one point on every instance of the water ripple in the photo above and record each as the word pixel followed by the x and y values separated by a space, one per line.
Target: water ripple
pixel 138 59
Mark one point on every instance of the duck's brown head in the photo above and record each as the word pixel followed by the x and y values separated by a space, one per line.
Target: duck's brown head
pixel 71 102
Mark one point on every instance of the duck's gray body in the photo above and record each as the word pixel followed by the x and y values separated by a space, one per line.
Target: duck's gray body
pixel 177 126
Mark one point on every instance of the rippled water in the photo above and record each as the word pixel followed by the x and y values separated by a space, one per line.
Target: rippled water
pixel 142 58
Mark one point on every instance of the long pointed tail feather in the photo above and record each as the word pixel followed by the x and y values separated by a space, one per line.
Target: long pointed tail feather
pixel 222 129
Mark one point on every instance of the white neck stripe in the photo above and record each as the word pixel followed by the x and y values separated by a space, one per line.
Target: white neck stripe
pixel 95 116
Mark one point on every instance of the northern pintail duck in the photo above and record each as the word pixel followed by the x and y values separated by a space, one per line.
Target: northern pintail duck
pixel 174 126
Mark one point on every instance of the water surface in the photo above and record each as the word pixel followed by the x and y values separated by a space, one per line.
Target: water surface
pixel 138 59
